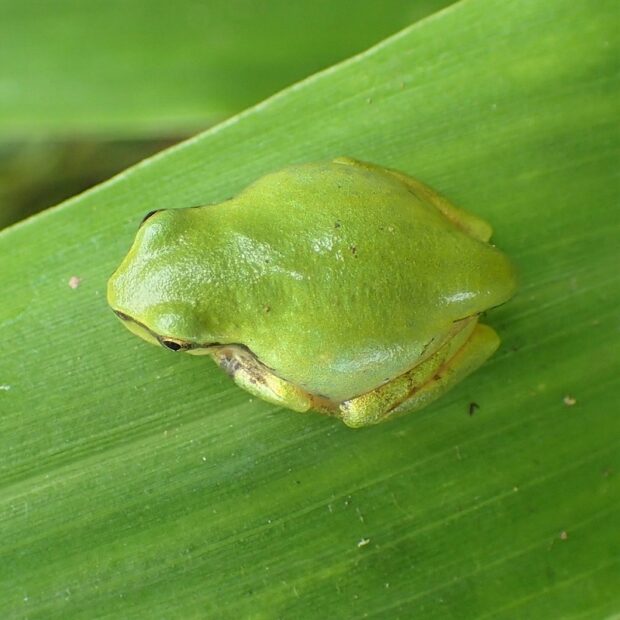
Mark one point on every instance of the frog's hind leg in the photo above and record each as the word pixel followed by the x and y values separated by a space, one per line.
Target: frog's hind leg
pixel 427 381
pixel 251 375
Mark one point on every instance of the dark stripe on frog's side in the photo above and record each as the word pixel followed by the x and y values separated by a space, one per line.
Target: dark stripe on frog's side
pixel 185 345
pixel 129 319
pixel 229 363
pixel 236 357
pixel 124 317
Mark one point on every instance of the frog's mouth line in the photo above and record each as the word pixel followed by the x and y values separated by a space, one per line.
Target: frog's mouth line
pixel 174 344
pixel 227 358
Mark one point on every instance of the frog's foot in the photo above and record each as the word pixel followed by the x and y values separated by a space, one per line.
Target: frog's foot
pixel 416 388
pixel 251 375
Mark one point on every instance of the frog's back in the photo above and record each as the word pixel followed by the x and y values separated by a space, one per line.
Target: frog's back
pixel 344 275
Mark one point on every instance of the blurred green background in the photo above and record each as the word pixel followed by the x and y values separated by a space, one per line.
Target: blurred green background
pixel 89 88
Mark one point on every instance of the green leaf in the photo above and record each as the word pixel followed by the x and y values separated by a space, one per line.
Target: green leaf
pixel 136 483
pixel 154 67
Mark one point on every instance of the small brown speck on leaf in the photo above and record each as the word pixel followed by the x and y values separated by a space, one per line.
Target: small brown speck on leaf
pixel 472 408
pixel 74 282
pixel 569 400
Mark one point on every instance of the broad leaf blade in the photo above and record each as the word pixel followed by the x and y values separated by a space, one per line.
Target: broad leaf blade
pixel 137 483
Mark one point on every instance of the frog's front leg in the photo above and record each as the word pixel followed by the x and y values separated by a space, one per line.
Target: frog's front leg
pixel 425 382
pixel 251 375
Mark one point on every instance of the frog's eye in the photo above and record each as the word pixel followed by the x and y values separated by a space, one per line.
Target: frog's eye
pixel 173 345
pixel 149 214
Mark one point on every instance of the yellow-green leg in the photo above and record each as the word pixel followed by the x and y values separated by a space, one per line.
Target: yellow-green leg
pixel 249 374
pixel 427 381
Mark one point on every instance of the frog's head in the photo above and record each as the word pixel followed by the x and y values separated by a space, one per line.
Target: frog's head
pixel 153 291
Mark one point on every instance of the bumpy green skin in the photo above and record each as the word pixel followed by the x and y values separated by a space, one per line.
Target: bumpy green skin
pixel 337 286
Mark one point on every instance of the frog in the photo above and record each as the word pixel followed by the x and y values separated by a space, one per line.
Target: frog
pixel 337 286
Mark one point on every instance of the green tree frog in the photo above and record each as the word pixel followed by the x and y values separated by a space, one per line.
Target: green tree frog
pixel 337 286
